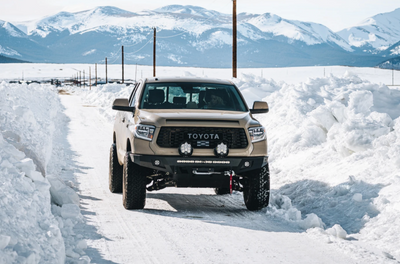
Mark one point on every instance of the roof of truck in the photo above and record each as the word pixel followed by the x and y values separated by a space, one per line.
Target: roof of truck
pixel 187 80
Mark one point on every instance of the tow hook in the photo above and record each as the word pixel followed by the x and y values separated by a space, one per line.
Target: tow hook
pixel 157 185
pixel 230 173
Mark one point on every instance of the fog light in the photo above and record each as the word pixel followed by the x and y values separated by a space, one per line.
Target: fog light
pixel 247 164
pixel 157 162
pixel 221 150
pixel 185 149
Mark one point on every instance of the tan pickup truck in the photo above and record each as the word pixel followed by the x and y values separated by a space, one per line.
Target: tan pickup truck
pixel 188 132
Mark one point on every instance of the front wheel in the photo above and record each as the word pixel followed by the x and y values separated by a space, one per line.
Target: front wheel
pixel 256 189
pixel 134 185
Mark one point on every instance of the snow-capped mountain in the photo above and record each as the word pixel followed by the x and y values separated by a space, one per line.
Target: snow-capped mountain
pixel 186 35
pixel 309 33
pixel 114 20
pixel 192 10
pixel 11 29
pixel 9 33
pixel 191 19
pixel 79 22
pixel 17 45
pixel 374 34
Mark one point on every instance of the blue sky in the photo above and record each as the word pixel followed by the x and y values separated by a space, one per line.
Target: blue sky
pixel 336 15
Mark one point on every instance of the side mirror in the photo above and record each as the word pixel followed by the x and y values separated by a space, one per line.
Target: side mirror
pixel 122 104
pixel 260 107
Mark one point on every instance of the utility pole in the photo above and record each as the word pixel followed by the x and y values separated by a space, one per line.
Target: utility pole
pixel 80 79
pixel 122 64
pixel 84 79
pixel 90 78
pixel 154 53
pixel 106 71
pixel 96 74
pixel 234 43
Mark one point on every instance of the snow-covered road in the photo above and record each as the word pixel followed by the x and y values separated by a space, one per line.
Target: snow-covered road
pixel 177 225
pixel 334 147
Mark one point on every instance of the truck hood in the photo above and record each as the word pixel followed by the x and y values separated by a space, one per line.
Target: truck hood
pixel 207 118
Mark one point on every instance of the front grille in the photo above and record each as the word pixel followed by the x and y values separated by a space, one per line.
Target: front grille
pixel 172 137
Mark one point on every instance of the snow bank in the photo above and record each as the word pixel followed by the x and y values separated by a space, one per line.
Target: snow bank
pixel 26 113
pixel 31 230
pixel 103 96
pixel 334 147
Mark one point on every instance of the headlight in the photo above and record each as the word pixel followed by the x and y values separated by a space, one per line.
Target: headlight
pixel 257 134
pixel 145 132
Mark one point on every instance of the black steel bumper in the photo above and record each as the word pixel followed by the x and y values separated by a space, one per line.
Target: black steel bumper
pixel 178 164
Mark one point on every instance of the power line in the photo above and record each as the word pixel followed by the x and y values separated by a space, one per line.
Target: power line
pixel 141 47
pixel 118 55
pixel 139 42
pixel 173 35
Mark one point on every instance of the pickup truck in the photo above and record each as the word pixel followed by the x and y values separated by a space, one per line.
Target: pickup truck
pixel 188 132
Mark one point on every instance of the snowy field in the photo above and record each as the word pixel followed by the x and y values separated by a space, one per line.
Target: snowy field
pixel 291 75
pixel 334 148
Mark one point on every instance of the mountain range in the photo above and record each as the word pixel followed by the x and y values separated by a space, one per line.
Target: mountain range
pixel 194 36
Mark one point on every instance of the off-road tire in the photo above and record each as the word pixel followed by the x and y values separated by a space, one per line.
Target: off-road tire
pixel 221 191
pixel 134 185
pixel 115 172
pixel 257 189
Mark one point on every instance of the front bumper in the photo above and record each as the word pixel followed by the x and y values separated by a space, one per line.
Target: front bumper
pixel 186 165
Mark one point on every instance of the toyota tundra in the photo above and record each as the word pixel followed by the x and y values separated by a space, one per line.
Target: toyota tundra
pixel 188 132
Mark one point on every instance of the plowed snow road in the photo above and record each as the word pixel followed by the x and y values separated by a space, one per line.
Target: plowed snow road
pixel 177 225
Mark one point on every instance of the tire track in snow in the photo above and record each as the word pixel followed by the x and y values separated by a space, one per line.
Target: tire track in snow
pixel 115 243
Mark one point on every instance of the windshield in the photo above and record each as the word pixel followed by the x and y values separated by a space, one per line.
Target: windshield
pixel 192 96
